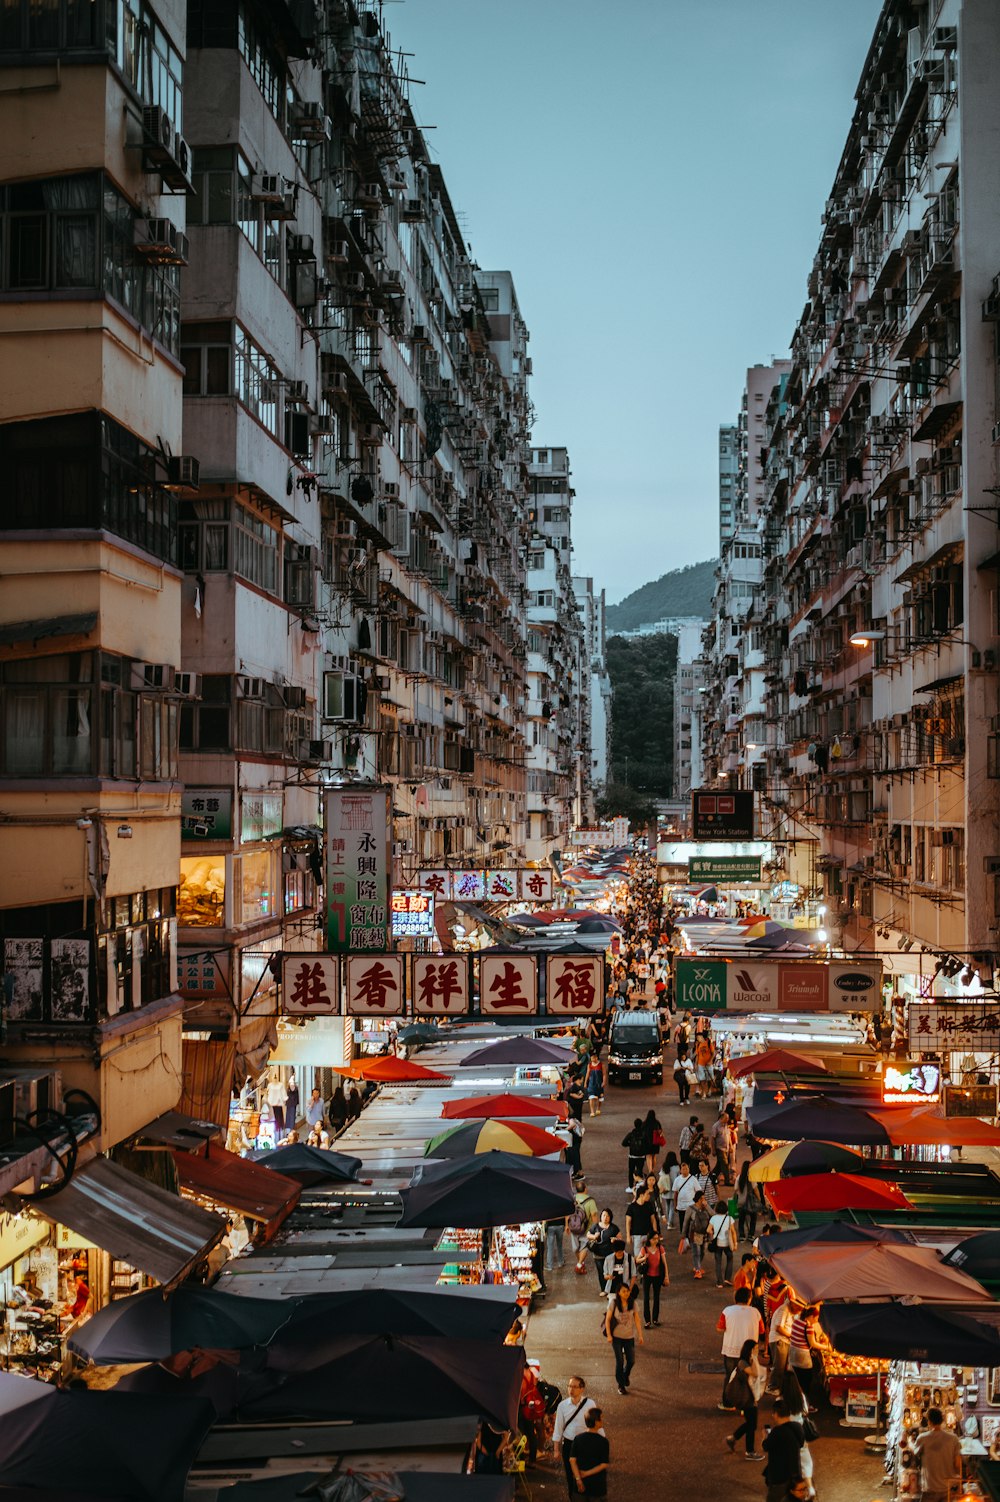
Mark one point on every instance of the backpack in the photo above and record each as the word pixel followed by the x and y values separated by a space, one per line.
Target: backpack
pixel 578 1220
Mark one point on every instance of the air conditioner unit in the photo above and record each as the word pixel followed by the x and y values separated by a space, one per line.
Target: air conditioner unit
pixel 923 466
pixel 353 281
pixel 314 752
pixel 391 282
pixel 335 384
pixel 160 242
pixel 370 432
pixel 338 253
pixel 390 490
pixel 296 392
pixel 308 122
pixel 412 211
pixel 251 688
pixel 418 334
pixel 36 1091
pixel 369 195
pixel 912 242
pixel 300 248
pixel 164 149
pixel 381 682
pixel 288 206
pixel 407 414
pixel 183 472
pixel 346 529
pixel 152 676
pixel 187 685
pixel 295 697
pixel 322 425
pixel 267 187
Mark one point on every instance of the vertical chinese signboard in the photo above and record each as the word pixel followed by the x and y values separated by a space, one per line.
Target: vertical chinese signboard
pixel 374 985
pixel 440 985
pixel 574 987
pixel 508 985
pixel 536 886
pixel 358 869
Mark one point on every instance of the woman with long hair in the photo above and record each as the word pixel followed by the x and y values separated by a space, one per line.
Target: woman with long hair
pixel 621 1327
pixel 748 1200
pixel 655 1140
pixel 741 1391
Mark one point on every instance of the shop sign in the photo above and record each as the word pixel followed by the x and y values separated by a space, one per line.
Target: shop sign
pixel 200 974
pixel 261 817
pixel 752 987
pixel 911 1084
pixel 601 839
pixel 802 988
pixel 722 816
pixel 440 985
pixel 374 985
pixel 22 963
pixel 970 1100
pixel 69 979
pixel 18 1234
pixel 619 831
pixel 724 868
pixel 574 987
pixel 508 985
pixel 855 986
pixel 436 882
pixel 535 886
pixel 469 886
pixel 700 985
pixel 310 984
pixel 358 863
pixel 939 1029
pixel 412 914
pixel 207 814
pixel 501 886
pixel 861 1409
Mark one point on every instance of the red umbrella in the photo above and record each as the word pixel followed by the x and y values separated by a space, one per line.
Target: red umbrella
pixel 834 1191
pixel 387 1069
pixel 776 1061
pixel 496 1107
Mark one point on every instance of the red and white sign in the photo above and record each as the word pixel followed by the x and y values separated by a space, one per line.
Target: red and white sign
pixel 574 987
pixel 374 985
pixel 440 985
pixel 508 985
pixel 802 988
pixel 310 985
pixel 535 886
pixel 438 882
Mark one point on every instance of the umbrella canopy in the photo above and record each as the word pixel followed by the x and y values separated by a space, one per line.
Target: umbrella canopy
pixel 417 1486
pixel 421 1377
pixel 598 926
pixel 781 938
pixel 419 1032
pixel 149 1327
pixel 902 1332
pixel 830 1233
pixel 776 1061
pixel 519 1051
pixel 319 1322
pixel 490 1189
pixel 762 927
pixel 495 1107
pixel 815 1118
pixel 115 1445
pixel 924 1128
pixel 529 920
pixel 387 1069
pixel 487 1136
pixel 876 1270
pixel 979 1256
pixel 310 1165
pixel 834 1191
pixel 793 1158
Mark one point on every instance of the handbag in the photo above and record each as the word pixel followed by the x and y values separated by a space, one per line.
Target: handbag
pixel 658 1138
pixel 809 1430
pixel 683 1245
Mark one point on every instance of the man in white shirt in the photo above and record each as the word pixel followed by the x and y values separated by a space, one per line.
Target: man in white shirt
pixel 686 1186
pixel 739 1321
pixel 570 1421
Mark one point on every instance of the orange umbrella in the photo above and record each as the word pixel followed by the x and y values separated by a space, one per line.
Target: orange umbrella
pixel 387 1069
pixel 922 1127
pixel 834 1191
pixel 495 1107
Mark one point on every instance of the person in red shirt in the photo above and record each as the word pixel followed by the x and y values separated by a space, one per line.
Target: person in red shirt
pixel 747 1275
pixel 652 1264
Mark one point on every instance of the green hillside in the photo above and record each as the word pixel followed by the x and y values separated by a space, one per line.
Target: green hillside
pixel 684 591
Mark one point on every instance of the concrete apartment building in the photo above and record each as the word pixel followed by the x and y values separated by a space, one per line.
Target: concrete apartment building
pixel 729 468
pixel 595 692
pixel 880 519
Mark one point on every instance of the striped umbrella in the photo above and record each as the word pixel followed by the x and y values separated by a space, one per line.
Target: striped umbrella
pixel 793 1158
pixel 483 1136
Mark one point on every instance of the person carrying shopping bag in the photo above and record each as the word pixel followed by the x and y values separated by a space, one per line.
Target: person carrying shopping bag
pixel 621 1327
pixel 722 1239
pixel 694 1231
pixel 743 1393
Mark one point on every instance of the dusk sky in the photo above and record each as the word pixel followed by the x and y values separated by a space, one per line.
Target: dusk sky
pixel 653 174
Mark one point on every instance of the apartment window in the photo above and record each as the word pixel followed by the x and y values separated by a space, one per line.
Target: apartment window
pixel 146 58
pixel 256 381
pixel 213 197
pixel 255 549
pixel 541 456
pixel 536 560
pixel 265 70
pixel 219 536
pixel 260 727
pixel 491 304
pixel 544 597
pixel 207 357
pixel 205 725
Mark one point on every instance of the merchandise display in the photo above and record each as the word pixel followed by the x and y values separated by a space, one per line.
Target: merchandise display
pixel 509 1258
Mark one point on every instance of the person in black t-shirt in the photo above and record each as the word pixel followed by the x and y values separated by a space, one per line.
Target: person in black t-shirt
pixel 590 1457
pixel 783 1448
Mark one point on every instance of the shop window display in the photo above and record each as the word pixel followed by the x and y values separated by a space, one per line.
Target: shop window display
pixel 201 899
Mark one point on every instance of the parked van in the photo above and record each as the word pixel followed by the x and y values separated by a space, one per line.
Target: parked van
pixel 635 1049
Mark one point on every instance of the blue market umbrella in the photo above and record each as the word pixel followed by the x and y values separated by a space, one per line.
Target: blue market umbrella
pixel 150 1327
pixel 913 1332
pixel 420 1032
pixel 489 1189
pixel 979 1256
pixel 815 1118
pixel 319 1322
pixel 830 1232
pixel 309 1165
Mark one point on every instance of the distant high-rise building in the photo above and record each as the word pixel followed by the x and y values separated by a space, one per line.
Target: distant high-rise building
pixel 729 464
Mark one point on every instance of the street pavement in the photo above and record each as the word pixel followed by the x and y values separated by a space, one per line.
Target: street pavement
pixel 667 1436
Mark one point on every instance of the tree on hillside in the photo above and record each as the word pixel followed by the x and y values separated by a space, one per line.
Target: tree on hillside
pixel 642 713
pixel 619 801
pixel 682 592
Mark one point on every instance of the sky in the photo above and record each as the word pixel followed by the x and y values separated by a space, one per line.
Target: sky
pixel 653 173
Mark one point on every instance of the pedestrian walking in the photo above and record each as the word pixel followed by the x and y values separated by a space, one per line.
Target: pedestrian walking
pixel 739 1322
pixel 620 1264
pixel 703 1055
pixel 600 1239
pixel 779 1337
pixel 722 1239
pixel 591 1456
pixel 570 1422
pixel 742 1392
pixel 706 1184
pixel 718 1141
pixel 655 1141
pixel 579 1222
pixel 641 1218
pixel 681 1072
pixel 803 1352
pixel 555 1230
pixel 748 1203
pixel 594 1085
pixel 635 1143
pixel 665 1181
pixel 694 1232
pixel 798 1411
pixel 652 1265
pixel 688 1135
pixel 685 1188
pixel 621 1328
pixel 783 1452
pixel 940 1456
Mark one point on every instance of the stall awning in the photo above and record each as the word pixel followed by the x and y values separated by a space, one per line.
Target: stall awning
pixel 38 630
pixel 174 1129
pixel 240 1185
pixel 134 1220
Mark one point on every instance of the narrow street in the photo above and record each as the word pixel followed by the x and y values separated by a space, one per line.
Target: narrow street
pixel 668 1426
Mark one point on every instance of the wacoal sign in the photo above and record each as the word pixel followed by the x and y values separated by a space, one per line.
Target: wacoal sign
pixel 751 988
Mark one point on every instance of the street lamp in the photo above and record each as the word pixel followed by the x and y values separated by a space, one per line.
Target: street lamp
pixel 865 638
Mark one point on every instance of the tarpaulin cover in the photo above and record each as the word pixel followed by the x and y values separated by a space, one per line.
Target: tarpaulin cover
pixel 814 1117
pixel 834 1191
pixel 776 1061
pixel 148 1327
pixel 318 1322
pixel 876 1270
pixel 834 1233
pixel 495 1107
pixel 520 1051
pixel 925 1128
pixel 900 1332
pixel 490 1189
pixel 309 1165
pixel 117 1445
pixel 237 1183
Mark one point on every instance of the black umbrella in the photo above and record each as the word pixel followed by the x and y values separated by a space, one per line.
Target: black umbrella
pixel 419 1032
pixel 115 1445
pixel 225 1388
pixel 309 1165
pixel 835 1232
pixel 816 1118
pixel 519 1051
pixel 979 1256
pixel 410 1377
pixel 488 1189
pixel 912 1332
pixel 320 1321
pixel 418 1486
pixel 149 1327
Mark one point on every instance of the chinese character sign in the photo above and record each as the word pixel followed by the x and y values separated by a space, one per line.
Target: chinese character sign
pixel 357 869
pixel 620 831
pixel 911 1084
pixel 508 985
pixel 440 985
pixel 535 886
pixel 310 985
pixel 501 886
pixel 574 987
pixel 469 886
pixel 438 883
pixel 412 914
pixel 206 814
pixel 963 1027
pixel 374 985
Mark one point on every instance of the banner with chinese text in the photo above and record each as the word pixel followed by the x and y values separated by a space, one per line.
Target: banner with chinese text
pixel 207 814
pixel 412 913
pixel 440 985
pixel 310 984
pixel 358 866
pixel 374 985
pixel 535 886
pixel 968 1026
pixel 574 987
pixel 508 985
